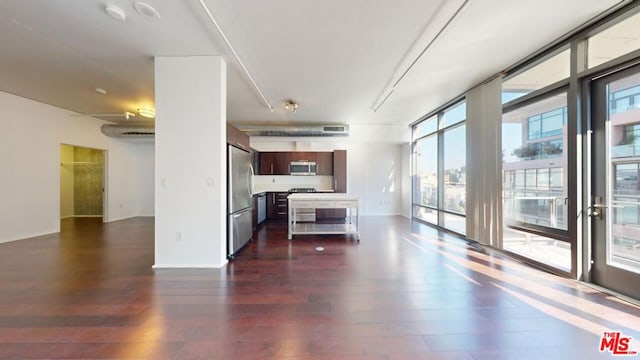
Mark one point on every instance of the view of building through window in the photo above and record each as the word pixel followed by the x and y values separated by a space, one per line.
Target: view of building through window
pixel 454 179
pixel 534 178
pixel 542 220
pixel 426 177
pixel 624 169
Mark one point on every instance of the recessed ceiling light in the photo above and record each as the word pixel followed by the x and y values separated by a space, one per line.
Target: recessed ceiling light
pixel 115 12
pixel 146 10
pixel 101 91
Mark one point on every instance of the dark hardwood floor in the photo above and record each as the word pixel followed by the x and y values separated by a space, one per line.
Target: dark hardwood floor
pixel 404 292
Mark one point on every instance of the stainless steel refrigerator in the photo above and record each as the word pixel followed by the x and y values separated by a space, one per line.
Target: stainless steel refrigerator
pixel 240 211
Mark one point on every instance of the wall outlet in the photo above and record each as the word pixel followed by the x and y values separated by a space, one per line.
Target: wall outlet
pixel 179 236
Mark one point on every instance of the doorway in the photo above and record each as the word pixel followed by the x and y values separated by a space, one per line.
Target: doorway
pixel 82 174
pixel 615 195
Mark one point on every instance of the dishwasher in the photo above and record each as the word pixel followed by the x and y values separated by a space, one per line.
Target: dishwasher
pixel 262 207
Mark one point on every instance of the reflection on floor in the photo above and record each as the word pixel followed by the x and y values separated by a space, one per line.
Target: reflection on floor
pixel 404 292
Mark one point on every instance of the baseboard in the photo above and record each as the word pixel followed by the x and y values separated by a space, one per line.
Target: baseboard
pixel 29 236
pixel 86 216
pixel 395 214
pixel 120 218
pixel 130 217
pixel 188 266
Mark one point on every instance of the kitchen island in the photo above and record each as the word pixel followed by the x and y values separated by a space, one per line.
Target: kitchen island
pixel 323 201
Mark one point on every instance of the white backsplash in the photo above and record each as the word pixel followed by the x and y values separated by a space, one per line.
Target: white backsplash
pixel 285 182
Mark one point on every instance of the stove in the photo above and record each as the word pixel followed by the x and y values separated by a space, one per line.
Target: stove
pixel 301 190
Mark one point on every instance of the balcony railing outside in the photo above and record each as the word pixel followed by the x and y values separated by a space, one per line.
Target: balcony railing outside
pixel 627 150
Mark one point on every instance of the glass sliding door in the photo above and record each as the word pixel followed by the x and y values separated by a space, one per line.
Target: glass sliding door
pixel 615 198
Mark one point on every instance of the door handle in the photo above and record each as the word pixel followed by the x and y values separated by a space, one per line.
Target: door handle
pixel 251 174
pixel 596 209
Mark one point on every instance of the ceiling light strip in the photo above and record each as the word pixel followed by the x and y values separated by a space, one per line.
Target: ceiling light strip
pixel 446 25
pixel 382 98
pixel 235 55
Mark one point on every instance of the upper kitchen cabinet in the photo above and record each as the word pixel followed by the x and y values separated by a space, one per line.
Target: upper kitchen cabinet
pixel 340 171
pixel 303 156
pixel 237 138
pixel 324 163
pixel 274 163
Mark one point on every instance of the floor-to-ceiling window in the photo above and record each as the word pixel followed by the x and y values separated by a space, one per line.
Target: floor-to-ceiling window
pixel 534 162
pixel 439 162
pixel 547 146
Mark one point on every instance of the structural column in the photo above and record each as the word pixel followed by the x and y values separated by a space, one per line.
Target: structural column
pixel 190 177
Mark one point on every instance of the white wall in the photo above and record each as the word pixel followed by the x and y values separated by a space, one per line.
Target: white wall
pixel 30 156
pixel 285 182
pixel 374 175
pixel 145 170
pixel 375 163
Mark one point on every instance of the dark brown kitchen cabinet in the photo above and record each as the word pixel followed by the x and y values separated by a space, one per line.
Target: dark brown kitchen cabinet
pixel 340 171
pixel 339 186
pixel 277 206
pixel 274 163
pixel 324 163
pixel 272 209
pixel 254 217
pixel 237 138
pixel 277 163
pixel 302 156
pixel 265 160
pixel 281 163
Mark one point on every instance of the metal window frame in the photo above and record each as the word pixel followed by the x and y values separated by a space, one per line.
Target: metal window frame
pixel 578 97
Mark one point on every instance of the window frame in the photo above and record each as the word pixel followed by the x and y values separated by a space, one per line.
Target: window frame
pixel 439 132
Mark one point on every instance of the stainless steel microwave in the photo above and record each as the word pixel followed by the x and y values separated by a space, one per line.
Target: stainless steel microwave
pixel 302 168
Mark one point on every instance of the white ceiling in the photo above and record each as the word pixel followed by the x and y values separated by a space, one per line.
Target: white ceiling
pixel 336 58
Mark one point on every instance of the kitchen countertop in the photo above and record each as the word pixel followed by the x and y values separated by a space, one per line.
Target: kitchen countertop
pixel 322 196
pixel 261 189
pixel 260 192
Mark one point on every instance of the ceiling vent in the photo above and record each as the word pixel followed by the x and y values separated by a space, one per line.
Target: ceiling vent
pixel 129 131
pixel 288 130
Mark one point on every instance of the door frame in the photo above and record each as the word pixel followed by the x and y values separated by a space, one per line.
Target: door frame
pixel 595 265
pixel 105 177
